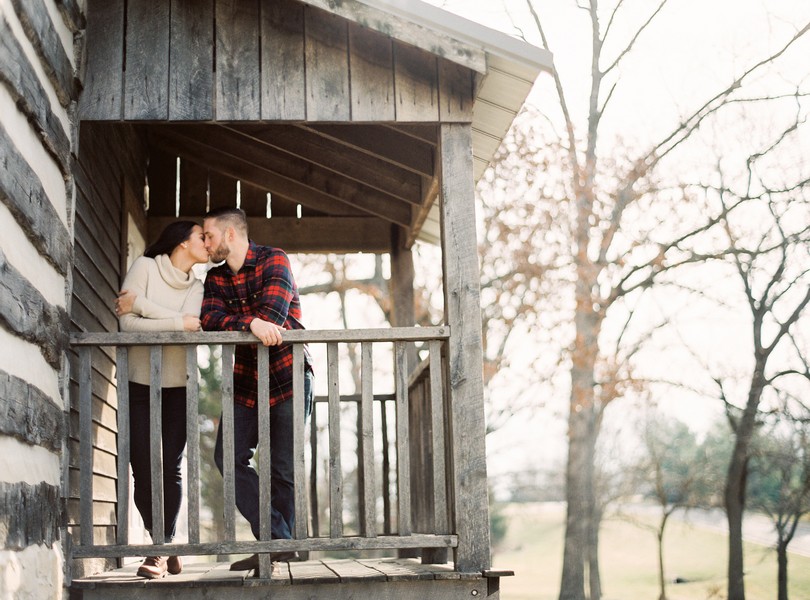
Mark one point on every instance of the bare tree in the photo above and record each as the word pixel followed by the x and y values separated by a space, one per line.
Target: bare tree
pixel 780 482
pixel 615 249
pixel 767 248
pixel 675 468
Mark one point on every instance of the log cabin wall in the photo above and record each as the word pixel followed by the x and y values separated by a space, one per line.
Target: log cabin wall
pixel 37 101
pixel 109 174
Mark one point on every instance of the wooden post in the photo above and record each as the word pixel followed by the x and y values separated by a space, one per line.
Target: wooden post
pixel 365 459
pixel 403 315
pixel 265 458
pixel 465 355
pixel 156 442
pixel 193 445
pixel 227 424
pixel 122 381
pixel 335 470
pixel 402 289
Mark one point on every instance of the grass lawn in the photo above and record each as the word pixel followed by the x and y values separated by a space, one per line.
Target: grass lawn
pixel 533 549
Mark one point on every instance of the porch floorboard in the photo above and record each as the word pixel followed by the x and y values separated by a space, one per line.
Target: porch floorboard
pixel 383 579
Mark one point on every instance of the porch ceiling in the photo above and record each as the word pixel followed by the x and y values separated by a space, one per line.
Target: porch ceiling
pixel 353 182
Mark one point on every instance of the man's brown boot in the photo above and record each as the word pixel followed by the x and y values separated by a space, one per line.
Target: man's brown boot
pixel 153 567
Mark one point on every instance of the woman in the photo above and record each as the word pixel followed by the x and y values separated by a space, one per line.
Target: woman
pixel 161 293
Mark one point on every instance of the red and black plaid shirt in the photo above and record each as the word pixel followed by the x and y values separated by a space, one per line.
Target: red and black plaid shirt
pixel 263 288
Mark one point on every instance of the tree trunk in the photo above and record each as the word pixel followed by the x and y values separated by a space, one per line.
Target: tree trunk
pixel 736 482
pixel 782 572
pixel 582 428
pixel 594 576
pixel 662 594
pixel 572 586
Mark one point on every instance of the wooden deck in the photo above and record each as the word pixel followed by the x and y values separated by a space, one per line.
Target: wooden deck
pixel 344 579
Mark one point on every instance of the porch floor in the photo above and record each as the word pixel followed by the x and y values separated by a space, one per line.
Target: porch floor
pixel 349 579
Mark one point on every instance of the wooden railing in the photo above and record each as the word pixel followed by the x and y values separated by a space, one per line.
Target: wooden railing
pixel 418 405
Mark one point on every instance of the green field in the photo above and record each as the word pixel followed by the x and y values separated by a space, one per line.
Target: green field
pixel 533 549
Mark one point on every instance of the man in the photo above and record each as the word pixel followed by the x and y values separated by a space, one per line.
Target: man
pixel 254 290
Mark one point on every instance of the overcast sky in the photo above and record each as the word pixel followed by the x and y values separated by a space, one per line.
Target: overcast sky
pixel 694 49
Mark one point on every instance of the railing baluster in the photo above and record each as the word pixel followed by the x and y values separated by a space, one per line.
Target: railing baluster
pixel 403 451
pixel 122 384
pixel 365 462
pixel 437 417
pixel 265 456
pixel 386 469
pixel 335 472
pixel 228 478
pixel 193 444
pixel 86 445
pixel 156 442
pixel 298 443
pixel 313 471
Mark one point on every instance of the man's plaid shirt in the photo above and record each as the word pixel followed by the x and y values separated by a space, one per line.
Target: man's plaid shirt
pixel 263 288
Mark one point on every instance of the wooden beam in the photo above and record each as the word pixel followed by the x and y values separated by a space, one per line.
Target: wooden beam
pixel 19 76
pixel 387 144
pixel 425 132
pixel 310 234
pixel 22 193
pixel 30 515
pixel 40 30
pixel 431 187
pixel 28 315
pixel 331 155
pixel 28 414
pixel 220 162
pixel 462 305
pixel 296 336
pixel 227 142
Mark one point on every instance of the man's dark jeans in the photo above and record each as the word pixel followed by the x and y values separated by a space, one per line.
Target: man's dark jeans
pixel 246 438
pixel 173 405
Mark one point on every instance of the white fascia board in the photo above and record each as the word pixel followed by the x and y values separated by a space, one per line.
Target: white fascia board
pixel 490 40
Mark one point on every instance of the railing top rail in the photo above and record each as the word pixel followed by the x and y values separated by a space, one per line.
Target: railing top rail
pixel 174 338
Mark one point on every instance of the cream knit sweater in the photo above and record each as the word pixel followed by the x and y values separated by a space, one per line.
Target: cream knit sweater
pixel 164 295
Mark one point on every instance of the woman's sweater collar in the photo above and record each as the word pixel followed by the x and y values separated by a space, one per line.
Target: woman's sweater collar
pixel 173 276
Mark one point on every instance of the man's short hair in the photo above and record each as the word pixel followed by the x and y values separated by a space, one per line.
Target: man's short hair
pixel 230 216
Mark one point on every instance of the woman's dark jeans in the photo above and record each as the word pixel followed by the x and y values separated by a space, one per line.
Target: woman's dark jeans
pixel 174 442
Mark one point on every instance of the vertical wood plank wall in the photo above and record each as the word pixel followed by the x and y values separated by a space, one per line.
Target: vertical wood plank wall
pixel 110 165
pixel 279 60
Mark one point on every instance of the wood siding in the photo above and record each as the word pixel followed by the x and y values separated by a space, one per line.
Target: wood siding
pixel 111 166
pixel 279 61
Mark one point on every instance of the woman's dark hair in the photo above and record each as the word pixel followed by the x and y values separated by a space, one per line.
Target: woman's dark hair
pixel 172 236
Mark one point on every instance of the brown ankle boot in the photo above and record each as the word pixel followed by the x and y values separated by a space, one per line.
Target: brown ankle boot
pixel 174 565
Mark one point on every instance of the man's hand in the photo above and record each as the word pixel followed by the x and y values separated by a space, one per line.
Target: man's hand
pixel 124 302
pixel 267 332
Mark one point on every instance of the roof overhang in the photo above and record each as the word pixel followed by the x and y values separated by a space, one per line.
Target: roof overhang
pixel 506 67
